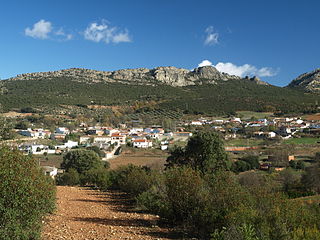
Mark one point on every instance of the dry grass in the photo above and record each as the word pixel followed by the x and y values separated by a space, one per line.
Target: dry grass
pixel 141 157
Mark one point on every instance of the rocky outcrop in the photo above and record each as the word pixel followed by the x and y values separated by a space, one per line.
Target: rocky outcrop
pixel 256 80
pixel 308 81
pixel 162 75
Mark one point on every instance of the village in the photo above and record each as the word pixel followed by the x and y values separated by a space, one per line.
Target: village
pixel 242 136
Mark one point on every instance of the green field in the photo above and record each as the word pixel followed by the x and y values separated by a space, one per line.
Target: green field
pixel 250 114
pixel 243 142
pixel 300 141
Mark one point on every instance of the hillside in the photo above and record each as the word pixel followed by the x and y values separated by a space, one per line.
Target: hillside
pixel 203 90
pixel 308 81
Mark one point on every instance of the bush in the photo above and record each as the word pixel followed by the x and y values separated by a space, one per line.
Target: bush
pixel 81 160
pixel 26 195
pixel 100 178
pixel 132 179
pixel 69 178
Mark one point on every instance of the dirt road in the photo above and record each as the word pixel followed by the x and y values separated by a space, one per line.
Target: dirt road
pixel 83 213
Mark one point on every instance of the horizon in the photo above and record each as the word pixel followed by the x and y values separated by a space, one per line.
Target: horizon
pixel 274 41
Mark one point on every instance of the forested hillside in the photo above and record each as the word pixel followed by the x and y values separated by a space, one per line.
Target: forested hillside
pixel 220 98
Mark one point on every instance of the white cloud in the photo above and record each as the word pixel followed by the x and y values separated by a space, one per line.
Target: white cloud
pixel 64 36
pixel 205 63
pixel 241 71
pixel 40 30
pixel 105 33
pixel 212 37
pixel 45 30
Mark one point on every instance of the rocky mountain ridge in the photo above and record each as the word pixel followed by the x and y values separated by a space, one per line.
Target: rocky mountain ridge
pixel 172 76
pixel 309 81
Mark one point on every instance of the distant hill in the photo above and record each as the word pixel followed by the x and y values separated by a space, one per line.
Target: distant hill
pixel 171 76
pixel 308 81
pixel 202 90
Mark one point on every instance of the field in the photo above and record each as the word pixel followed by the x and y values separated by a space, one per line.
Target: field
pixel 250 114
pixel 309 199
pixel 315 117
pixel 153 158
pixel 239 142
pixel 299 141
pixel 157 114
pixel 52 160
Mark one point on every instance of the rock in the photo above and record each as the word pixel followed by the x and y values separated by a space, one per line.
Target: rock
pixel 309 82
pixel 141 76
pixel 257 80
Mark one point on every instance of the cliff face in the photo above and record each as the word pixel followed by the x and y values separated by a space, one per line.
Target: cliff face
pixel 308 81
pixel 162 75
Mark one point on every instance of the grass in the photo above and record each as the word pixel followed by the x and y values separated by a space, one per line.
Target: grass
pixel 243 142
pixel 250 114
pixel 49 160
pixel 153 158
pixel 299 141
pixel 310 199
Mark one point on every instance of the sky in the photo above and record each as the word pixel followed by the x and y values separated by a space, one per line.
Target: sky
pixel 275 40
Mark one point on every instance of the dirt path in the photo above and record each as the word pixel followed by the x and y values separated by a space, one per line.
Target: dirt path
pixel 88 214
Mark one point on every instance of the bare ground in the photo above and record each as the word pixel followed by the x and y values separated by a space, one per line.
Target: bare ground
pixel 88 214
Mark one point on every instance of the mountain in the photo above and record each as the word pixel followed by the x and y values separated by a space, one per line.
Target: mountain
pixel 202 90
pixel 309 82
pixel 171 76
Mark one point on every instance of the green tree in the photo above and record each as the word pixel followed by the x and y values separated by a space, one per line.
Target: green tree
pixel 5 129
pixel 205 151
pixel 252 160
pixel 81 160
pixel 26 196
pixel 69 178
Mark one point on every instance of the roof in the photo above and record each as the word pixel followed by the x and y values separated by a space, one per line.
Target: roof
pixel 140 140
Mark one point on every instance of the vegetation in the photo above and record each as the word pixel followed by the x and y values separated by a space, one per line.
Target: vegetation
pixel 204 152
pixel 215 203
pixel 84 167
pixel 223 98
pixel 26 195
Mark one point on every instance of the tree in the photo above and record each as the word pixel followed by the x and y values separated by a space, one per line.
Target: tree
pixel 177 157
pixel 311 178
pixel 204 151
pixel 26 196
pixel 252 160
pixel 5 129
pixel 81 160
pixel 70 178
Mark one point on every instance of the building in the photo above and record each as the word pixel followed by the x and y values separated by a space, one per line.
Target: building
pixel 142 143
pixel 118 139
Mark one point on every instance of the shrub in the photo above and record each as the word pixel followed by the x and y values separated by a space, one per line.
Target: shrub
pixel 98 177
pixel 81 160
pixel 26 195
pixel 132 179
pixel 69 178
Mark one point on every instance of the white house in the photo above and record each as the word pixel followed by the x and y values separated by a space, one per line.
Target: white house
pixel 36 149
pixel 136 130
pixel 271 134
pixel 50 171
pixel 142 143
pixel 71 144
pixel 102 139
pixel 118 139
pixel 62 130
pixel 164 147
pixel 84 139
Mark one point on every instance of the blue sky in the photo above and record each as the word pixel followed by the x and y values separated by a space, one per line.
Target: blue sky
pixel 276 40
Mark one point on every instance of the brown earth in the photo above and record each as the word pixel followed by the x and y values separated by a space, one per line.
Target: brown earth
pixel 140 157
pixel 88 214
